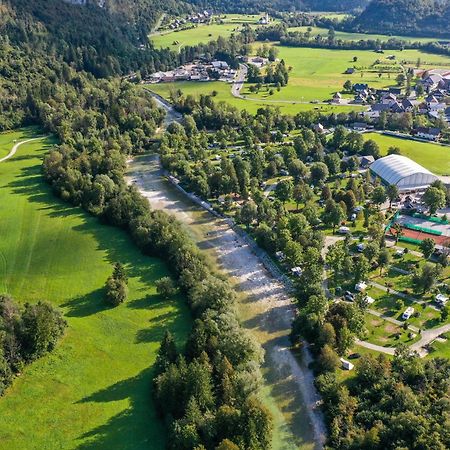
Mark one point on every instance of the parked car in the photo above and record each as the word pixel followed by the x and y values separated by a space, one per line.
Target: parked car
pixel 360 247
pixel 349 296
pixel 344 230
pixel 441 299
pixel 409 311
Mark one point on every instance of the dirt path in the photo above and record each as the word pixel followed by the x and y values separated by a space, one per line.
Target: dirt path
pixel 16 146
pixel 264 308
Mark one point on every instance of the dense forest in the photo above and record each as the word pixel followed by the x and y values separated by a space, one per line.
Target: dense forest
pixel 277 6
pixel 91 38
pixel 408 17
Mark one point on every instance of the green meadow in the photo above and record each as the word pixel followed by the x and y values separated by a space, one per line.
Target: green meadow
pixel 94 390
pixel 193 36
pixel 202 33
pixel 222 92
pixel 317 73
pixel 434 157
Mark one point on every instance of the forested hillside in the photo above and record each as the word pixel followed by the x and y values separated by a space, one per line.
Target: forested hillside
pixel 417 17
pixel 104 41
pixel 273 6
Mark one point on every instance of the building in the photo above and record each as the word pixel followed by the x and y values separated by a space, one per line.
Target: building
pixel 429 133
pixel 402 172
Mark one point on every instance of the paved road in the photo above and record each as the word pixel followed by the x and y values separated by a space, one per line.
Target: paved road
pixel 427 337
pixel 16 147
pixel 378 348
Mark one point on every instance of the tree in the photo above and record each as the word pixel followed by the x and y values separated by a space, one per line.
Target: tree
pixel 339 135
pixel 384 258
pixel 328 360
pixel 445 313
pixel 167 353
pixel 425 278
pixel 41 327
pixel 378 195
pixel 397 231
pixel 226 444
pixel 348 86
pixel 283 191
pixel 116 286
pixel 370 147
pixel 335 256
pixel 302 193
pixel 392 193
pixel 248 213
pixel 298 169
pixel 319 173
pixel 361 268
pixel 427 247
pixel 333 214
pixel 165 287
pixel 434 198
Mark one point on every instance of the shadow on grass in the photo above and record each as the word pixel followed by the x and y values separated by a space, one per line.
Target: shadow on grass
pixel 133 428
pixel 86 305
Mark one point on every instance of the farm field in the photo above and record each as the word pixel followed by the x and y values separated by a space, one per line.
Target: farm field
pixel 348 36
pixel 223 91
pixel 93 391
pixel 318 73
pixel 434 157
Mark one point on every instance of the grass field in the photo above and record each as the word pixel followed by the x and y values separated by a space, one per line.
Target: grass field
pixel 193 36
pixel 93 391
pixel 434 157
pixel 359 36
pixel 317 73
pixel 175 39
pixel 223 91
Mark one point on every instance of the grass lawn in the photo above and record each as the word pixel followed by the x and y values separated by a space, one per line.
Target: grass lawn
pixel 384 333
pixel 94 390
pixel 317 73
pixel 434 157
pixel 317 31
pixel 223 91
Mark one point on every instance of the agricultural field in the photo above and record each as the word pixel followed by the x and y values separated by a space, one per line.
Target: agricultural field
pixel 348 36
pixel 318 73
pixel 93 391
pixel 434 157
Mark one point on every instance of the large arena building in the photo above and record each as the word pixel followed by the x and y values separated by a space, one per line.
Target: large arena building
pixel 403 172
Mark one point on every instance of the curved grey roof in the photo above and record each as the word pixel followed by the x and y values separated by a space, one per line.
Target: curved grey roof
pixel 403 172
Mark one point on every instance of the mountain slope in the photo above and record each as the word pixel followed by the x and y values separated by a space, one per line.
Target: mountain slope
pixel 419 17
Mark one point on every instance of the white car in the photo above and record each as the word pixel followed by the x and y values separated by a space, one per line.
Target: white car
pixel 361 286
pixel 369 300
pixel 344 230
pixel 441 299
pixel 360 247
pixel 408 313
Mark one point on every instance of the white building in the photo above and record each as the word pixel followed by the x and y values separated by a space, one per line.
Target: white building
pixel 402 172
